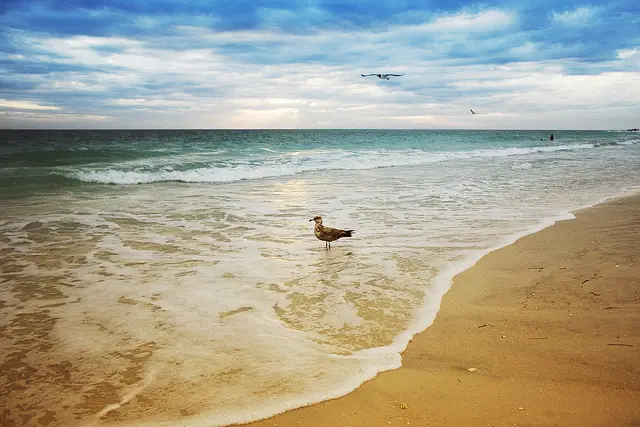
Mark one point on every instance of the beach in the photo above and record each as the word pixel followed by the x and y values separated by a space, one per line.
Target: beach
pixel 543 332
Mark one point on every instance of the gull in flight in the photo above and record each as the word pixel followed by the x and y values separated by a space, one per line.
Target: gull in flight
pixel 472 112
pixel 382 76
pixel 328 234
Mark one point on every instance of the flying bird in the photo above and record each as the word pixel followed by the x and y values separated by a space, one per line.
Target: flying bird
pixel 472 112
pixel 328 234
pixel 382 76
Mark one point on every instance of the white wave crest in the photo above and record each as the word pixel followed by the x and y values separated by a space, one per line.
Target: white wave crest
pixel 521 166
pixel 629 142
pixel 238 169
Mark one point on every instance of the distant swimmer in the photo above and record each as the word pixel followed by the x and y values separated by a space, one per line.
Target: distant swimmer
pixel 551 137
pixel 472 112
pixel 382 76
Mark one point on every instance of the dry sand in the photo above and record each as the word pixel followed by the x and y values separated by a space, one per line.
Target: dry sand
pixel 545 332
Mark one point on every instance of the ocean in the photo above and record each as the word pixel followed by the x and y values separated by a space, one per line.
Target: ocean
pixel 172 277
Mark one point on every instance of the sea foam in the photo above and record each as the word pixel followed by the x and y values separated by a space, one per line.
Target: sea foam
pixel 288 165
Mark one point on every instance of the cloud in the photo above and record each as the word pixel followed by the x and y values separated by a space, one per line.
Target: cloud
pixel 25 105
pixel 298 63
pixel 490 20
pixel 580 16
pixel 141 102
pixel 628 53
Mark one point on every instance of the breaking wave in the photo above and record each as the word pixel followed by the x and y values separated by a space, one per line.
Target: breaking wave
pixel 267 167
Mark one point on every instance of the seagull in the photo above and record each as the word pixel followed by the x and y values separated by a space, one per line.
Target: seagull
pixel 328 234
pixel 472 112
pixel 382 76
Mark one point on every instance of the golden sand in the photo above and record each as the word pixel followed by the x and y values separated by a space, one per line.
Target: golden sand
pixel 545 332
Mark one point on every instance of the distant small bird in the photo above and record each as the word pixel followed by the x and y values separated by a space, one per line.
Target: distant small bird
pixel 328 234
pixel 382 76
pixel 472 112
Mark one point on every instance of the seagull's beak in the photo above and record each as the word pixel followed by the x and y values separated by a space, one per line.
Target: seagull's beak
pixel 311 220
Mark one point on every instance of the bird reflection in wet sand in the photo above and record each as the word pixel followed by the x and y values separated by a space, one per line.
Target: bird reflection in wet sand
pixel 328 234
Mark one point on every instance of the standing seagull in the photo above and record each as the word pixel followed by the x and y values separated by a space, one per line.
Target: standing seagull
pixel 382 76
pixel 472 112
pixel 328 234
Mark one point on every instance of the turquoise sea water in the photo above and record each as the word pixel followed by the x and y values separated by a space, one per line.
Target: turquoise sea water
pixel 172 277
pixel 46 159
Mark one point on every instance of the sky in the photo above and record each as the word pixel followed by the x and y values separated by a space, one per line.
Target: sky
pixel 247 64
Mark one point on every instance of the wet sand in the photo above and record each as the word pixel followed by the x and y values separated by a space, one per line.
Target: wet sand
pixel 544 332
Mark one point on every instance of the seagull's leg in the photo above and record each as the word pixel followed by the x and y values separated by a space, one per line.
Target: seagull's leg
pixel 325 246
pixel 329 245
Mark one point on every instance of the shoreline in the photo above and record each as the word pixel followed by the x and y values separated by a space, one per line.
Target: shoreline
pixel 445 279
pixel 388 382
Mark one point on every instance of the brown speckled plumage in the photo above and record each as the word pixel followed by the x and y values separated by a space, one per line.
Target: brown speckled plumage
pixel 328 234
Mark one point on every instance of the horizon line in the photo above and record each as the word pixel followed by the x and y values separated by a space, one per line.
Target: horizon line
pixel 318 129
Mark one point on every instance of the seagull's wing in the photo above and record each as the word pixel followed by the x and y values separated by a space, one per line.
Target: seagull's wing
pixel 332 234
pixel 367 75
pixel 472 112
pixel 395 75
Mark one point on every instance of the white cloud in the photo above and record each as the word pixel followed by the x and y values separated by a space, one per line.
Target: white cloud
pixel 574 98
pixel 66 85
pixel 260 119
pixel 25 105
pixel 527 48
pixel 630 57
pixel 141 102
pixel 578 17
pixel 36 119
pixel 158 83
pixel 489 20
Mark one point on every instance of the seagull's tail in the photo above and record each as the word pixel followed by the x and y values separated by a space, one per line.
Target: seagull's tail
pixel 347 233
